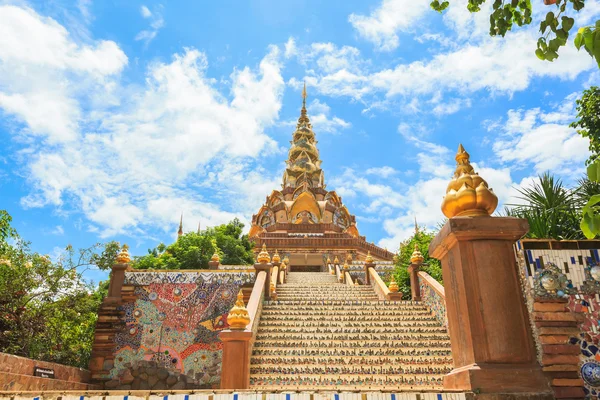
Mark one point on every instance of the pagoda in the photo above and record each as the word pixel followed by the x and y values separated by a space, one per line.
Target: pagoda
pixel 304 220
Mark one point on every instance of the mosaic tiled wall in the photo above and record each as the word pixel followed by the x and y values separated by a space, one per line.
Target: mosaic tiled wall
pixel 588 340
pixel 570 256
pixel 171 327
pixel 434 301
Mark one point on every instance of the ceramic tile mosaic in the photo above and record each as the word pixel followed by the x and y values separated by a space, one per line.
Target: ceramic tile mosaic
pixel 434 301
pixel 588 340
pixel 143 278
pixel 571 261
pixel 174 322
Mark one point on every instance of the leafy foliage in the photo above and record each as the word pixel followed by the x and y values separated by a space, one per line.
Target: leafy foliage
pixel 430 265
pixel 550 208
pixel 194 250
pixel 588 123
pixel 555 28
pixel 47 310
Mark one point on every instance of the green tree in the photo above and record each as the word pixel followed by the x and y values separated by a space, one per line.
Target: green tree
pixel 47 310
pixel 555 27
pixel 430 265
pixel 550 208
pixel 194 250
pixel 588 126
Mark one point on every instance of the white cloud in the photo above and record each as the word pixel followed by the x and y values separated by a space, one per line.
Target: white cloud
pixel 156 23
pixel 139 160
pixel 290 48
pixel 37 60
pixel 542 139
pixel 381 27
pixel 384 172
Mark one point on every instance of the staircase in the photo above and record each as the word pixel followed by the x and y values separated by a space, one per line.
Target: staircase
pixel 323 335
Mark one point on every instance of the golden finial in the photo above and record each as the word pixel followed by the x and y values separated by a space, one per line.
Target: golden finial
pixel 393 286
pixel 123 256
pixel 336 260
pixel 356 283
pixel 276 258
pixel 369 258
pixel 416 227
pixel 328 260
pixel 467 193
pixel 180 231
pixel 346 267
pixel 238 317
pixel 286 260
pixel 263 256
pixel 283 265
pixel 416 257
pixel 304 96
pixel 272 287
pixel 215 257
pixel 349 257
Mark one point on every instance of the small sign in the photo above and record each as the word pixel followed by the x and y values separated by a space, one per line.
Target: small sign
pixel 43 372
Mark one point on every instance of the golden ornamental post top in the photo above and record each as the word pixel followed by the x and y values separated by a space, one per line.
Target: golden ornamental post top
pixel 238 317
pixel 328 260
pixel 123 256
pixel 345 267
pixel 276 257
pixel 215 257
pixel 393 285
pixel 369 258
pixel 336 260
pixel 263 256
pixel 416 257
pixel 467 193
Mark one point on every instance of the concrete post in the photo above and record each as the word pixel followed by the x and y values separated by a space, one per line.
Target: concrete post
pixel 488 322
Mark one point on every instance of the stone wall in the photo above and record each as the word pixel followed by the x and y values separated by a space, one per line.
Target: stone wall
pixel 16 374
pixel 166 333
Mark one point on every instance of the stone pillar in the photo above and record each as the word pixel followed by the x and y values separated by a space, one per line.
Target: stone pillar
pixel 368 265
pixel 267 267
pixel 235 370
pixel 560 358
pixel 488 322
pixel 115 284
pixel 415 287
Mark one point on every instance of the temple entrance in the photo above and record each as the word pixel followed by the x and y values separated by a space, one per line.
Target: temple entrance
pixel 306 262
pixel 306 268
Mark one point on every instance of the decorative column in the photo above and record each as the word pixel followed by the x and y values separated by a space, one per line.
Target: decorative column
pixel 215 261
pixel 235 370
pixel 264 264
pixel 488 322
pixel 416 260
pixel 369 263
pixel 336 263
pixel 117 276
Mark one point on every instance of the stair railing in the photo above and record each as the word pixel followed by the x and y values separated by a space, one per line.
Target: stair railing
pixel 238 344
pixel 432 293
pixel 348 278
pixel 383 292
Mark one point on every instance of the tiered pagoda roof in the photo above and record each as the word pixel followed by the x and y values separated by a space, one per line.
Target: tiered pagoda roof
pixel 304 209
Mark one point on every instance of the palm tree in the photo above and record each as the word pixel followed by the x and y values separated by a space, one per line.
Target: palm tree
pixel 551 209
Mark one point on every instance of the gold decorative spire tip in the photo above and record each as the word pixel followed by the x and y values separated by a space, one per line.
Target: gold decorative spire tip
pixel 468 194
pixel 263 256
pixel 238 317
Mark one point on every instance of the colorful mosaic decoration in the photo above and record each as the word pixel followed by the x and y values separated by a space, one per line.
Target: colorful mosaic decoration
pixel 434 301
pixel 550 282
pixel 142 278
pixel 174 324
pixel 588 340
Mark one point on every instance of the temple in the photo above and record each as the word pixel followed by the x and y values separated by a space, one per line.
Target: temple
pixel 310 222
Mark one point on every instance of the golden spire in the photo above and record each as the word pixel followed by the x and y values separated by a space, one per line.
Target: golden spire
pixel 123 256
pixel 369 258
pixel 286 260
pixel 393 285
pixel 263 256
pixel 198 227
pixel 417 257
pixel 180 231
pixel 328 260
pixel 238 317
pixel 215 257
pixel 416 226
pixel 336 260
pixel 304 96
pixel 276 257
pixel 468 194
pixel 346 267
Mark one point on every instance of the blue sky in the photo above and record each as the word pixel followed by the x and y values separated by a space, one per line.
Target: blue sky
pixel 115 117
